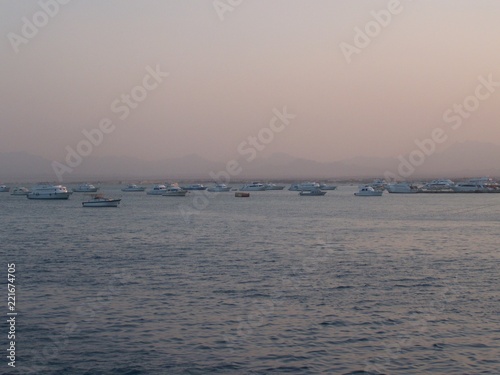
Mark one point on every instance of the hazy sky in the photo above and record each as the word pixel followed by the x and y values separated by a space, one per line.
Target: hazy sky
pixel 227 75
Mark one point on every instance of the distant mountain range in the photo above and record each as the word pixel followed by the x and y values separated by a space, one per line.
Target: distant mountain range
pixel 467 159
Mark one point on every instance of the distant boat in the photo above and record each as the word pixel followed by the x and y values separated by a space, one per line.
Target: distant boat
pixel 194 187
pixel 85 188
pixel 20 191
pixel 133 188
pixel 378 184
pixel 438 185
pixel 401 188
pixel 4 189
pixel 254 186
pixel 312 193
pixel 304 186
pixel 327 187
pixel 97 200
pixel 273 186
pixel 368 191
pixel 158 189
pixel 48 191
pixel 241 194
pixel 175 191
pixel 219 188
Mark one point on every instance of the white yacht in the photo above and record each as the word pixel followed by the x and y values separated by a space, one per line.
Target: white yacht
pixel 175 191
pixel 217 188
pixel 401 188
pixel 439 185
pixel 48 191
pixel 469 187
pixel 273 186
pixel 20 191
pixel 486 182
pixel 97 200
pixel 304 186
pixel 4 189
pixel 195 187
pixel 368 191
pixel 158 189
pixel 254 186
pixel 133 188
pixel 85 188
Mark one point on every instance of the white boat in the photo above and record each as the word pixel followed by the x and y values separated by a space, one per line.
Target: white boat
pixel 312 193
pixel 438 185
pixel 469 187
pixel 217 188
pixel 4 189
pixel 133 188
pixel 20 191
pixel 324 186
pixel 486 182
pixel 195 187
pixel 304 186
pixel 97 200
pixel 254 186
pixel 175 191
pixel 401 188
pixel 273 186
pixel 378 184
pixel 48 191
pixel 158 189
pixel 85 188
pixel 368 191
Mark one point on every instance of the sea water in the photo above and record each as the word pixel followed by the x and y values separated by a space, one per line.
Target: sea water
pixel 274 283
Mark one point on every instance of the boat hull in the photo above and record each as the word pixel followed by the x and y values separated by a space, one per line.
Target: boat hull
pixel 107 203
pixel 48 196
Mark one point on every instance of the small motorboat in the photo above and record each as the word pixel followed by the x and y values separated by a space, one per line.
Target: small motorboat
pixel 254 186
pixel 20 191
pixel 133 188
pixel 85 188
pixel 175 191
pixel 315 192
pixel 194 187
pixel 217 188
pixel 273 186
pixel 368 191
pixel 242 194
pixel 327 187
pixel 97 200
pixel 4 189
pixel 158 189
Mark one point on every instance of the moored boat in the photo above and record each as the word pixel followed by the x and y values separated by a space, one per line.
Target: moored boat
pixel 217 188
pixel 133 188
pixel 21 190
pixel 4 189
pixel 48 191
pixel 85 188
pixel 312 193
pixel 194 187
pixel 368 191
pixel 401 188
pixel 273 186
pixel 254 186
pixel 175 191
pixel 324 186
pixel 304 186
pixel 158 189
pixel 98 200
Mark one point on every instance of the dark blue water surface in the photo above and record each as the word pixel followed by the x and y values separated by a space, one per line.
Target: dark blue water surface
pixel 271 284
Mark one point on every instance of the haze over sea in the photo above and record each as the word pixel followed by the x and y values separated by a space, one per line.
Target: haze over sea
pixel 276 283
